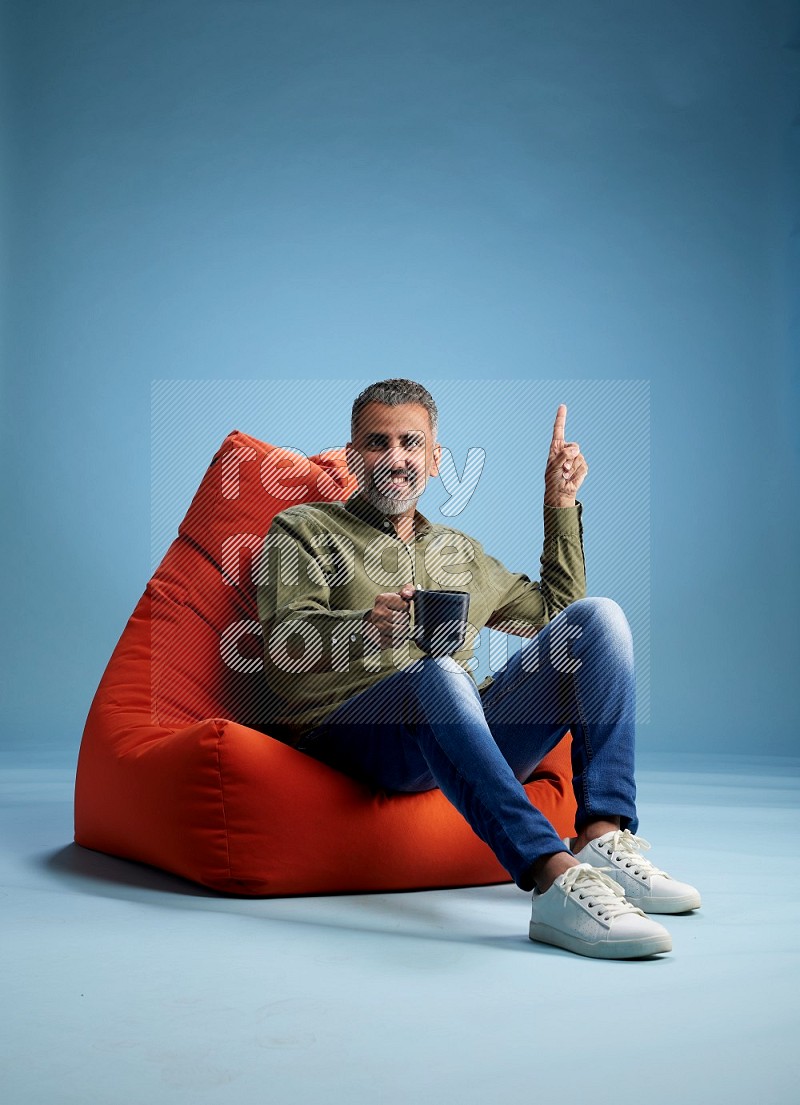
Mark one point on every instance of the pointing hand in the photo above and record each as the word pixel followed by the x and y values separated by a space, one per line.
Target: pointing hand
pixel 566 466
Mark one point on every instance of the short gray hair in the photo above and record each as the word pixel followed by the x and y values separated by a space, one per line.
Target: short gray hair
pixel 394 393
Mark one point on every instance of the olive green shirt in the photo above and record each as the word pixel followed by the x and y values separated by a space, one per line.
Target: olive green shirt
pixel 323 564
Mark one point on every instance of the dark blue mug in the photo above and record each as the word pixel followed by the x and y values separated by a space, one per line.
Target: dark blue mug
pixel 440 621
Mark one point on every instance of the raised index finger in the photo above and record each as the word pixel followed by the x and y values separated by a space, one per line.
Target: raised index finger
pixel 560 425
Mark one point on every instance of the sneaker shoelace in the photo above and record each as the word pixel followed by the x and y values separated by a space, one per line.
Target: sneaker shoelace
pixel 600 893
pixel 630 848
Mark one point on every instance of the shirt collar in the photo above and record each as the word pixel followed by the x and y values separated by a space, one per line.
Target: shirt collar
pixel 361 508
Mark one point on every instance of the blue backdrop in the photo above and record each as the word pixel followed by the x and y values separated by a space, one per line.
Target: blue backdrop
pixel 598 195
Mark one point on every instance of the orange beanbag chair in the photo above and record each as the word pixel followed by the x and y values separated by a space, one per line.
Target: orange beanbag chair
pixel 177 768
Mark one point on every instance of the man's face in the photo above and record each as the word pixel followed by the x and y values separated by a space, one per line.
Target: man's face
pixel 393 454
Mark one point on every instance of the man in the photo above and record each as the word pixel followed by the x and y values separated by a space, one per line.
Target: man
pixel 335 587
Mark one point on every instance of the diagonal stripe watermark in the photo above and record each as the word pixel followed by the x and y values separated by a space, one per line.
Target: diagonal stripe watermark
pixel 494 434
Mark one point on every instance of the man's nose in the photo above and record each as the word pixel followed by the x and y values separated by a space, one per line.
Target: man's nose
pixel 396 457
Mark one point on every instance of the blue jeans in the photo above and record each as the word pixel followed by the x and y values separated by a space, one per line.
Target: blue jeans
pixel 428 726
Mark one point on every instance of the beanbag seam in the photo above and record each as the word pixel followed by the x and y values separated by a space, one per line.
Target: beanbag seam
pixel 220 727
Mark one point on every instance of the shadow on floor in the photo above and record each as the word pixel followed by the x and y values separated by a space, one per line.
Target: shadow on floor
pixel 453 916
pixel 111 873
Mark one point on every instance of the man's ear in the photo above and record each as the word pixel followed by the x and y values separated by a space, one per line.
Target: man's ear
pixel 437 454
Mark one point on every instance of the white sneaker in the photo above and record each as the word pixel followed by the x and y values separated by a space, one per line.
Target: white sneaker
pixel 586 912
pixel 643 884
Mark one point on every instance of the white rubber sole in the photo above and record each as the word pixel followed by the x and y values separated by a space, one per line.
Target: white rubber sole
pixel 667 905
pixel 609 949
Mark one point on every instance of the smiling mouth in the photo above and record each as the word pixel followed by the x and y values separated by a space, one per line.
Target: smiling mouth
pixel 396 480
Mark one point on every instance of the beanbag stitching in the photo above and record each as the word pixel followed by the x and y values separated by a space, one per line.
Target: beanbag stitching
pixel 220 727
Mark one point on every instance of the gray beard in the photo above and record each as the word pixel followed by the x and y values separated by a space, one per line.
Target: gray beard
pixel 389 504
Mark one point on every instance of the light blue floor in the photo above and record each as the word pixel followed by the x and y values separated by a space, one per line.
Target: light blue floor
pixel 125 986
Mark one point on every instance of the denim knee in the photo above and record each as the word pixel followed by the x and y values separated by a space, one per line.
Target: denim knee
pixel 604 618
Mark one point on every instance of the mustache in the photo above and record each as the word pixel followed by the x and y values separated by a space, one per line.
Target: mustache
pixel 385 472
pixel 381 482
